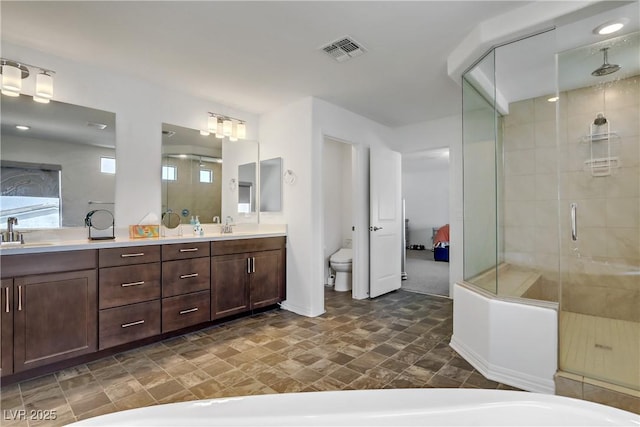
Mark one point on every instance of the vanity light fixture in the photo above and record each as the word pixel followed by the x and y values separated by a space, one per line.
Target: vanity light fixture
pixel 234 132
pixel 223 126
pixel 14 72
pixel 227 126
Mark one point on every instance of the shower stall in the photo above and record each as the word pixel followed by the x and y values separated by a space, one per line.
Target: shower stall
pixel 552 198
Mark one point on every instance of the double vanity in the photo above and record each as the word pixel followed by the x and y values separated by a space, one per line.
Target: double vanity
pixel 75 301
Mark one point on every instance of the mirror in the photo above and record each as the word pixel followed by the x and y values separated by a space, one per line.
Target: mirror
pixel 196 181
pixel 247 188
pixel 271 185
pixel 59 166
pixel 171 220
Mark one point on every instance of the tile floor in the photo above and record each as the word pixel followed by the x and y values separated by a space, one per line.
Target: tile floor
pixel 398 340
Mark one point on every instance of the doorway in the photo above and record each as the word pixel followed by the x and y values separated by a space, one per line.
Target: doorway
pixel 338 212
pixel 425 189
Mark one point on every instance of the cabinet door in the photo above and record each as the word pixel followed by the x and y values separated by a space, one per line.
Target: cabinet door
pixel 6 327
pixel 55 318
pixel 229 285
pixel 266 276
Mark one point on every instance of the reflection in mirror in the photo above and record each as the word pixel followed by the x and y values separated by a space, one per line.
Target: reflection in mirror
pixel 58 162
pixel 191 174
pixel 271 185
pixel 247 188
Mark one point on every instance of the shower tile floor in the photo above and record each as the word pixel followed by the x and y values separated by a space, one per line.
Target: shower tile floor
pixel 602 348
pixel 399 340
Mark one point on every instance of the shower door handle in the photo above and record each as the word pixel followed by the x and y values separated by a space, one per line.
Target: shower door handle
pixel 574 221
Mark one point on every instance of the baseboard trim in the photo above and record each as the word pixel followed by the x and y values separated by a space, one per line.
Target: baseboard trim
pixel 303 311
pixel 500 374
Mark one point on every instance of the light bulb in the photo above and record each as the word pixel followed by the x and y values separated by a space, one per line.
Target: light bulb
pixel 44 86
pixel 11 80
pixel 242 130
pixel 227 125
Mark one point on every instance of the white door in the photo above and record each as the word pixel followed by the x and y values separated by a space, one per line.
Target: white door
pixel 385 231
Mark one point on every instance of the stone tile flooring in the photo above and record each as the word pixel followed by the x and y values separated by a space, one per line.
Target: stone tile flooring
pixel 399 340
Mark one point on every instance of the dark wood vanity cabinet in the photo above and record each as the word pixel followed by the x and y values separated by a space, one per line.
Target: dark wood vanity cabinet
pixel 186 285
pixel 54 319
pixel 246 274
pixel 130 290
pixel 49 314
pixel 66 307
pixel 6 327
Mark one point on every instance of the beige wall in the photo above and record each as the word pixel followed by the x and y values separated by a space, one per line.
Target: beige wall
pixel 596 267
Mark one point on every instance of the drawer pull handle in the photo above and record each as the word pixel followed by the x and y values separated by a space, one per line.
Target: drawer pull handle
pixel 132 255
pixel 125 285
pixel 6 300
pixel 188 276
pixel 189 250
pixel 20 298
pixel 191 310
pixel 126 325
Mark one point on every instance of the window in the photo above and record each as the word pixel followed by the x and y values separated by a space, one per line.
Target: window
pixel 108 165
pixel 31 193
pixel 206 176
pixel 169 173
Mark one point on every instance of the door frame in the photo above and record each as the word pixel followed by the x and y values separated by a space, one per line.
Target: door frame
pixel 360 214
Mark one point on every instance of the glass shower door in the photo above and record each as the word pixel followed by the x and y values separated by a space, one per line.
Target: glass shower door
pixel 599 209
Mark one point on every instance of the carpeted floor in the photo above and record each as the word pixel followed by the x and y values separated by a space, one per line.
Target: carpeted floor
pixel 424 275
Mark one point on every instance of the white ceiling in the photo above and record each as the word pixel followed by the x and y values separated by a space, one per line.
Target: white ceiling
pixel 256 56
pixel 259 55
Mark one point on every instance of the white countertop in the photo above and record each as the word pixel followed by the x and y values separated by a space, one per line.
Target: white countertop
pixel 72 239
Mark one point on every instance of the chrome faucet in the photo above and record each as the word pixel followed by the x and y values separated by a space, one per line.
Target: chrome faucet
pixel 10 235
pixel 216 219
pixel 226 228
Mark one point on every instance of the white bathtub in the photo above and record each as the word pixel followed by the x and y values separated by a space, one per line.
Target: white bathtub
pixel 445 407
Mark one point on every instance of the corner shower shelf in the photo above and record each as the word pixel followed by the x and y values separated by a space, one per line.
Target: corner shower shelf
pixel 602 161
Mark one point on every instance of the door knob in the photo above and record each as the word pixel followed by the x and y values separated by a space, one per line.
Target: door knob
pixel 374 228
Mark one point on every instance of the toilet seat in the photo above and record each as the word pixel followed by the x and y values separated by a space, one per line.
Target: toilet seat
pixel 343 256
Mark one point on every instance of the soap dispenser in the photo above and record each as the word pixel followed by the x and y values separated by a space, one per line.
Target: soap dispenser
pixel 197 228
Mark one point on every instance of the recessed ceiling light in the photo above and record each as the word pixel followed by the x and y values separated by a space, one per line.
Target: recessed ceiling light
pixel 553 99
pixel 182 156
pixel 22 127
pixel 204 132
pixel 610 27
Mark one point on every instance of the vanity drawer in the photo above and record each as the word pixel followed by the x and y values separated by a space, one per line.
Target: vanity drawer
pixel 128 255
pixel 129 284
pixel 185 250
pixel 121 325
pixel 185 310
pixel 228 247
pixel 185 276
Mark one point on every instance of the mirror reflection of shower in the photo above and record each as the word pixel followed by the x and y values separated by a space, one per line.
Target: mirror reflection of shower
pixel 605 68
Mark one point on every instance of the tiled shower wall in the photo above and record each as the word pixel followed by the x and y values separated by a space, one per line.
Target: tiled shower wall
pixel 596 268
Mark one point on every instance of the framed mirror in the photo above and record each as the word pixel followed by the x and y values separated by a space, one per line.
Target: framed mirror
pixel 271 185
pixel 200 175
pixel 58 162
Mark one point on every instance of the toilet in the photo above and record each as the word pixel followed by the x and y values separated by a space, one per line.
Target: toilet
pixel 341 263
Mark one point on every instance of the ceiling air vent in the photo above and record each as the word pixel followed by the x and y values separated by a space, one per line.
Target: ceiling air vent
pixel 343 49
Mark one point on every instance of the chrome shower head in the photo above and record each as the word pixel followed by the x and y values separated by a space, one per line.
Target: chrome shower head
pixel 605 68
